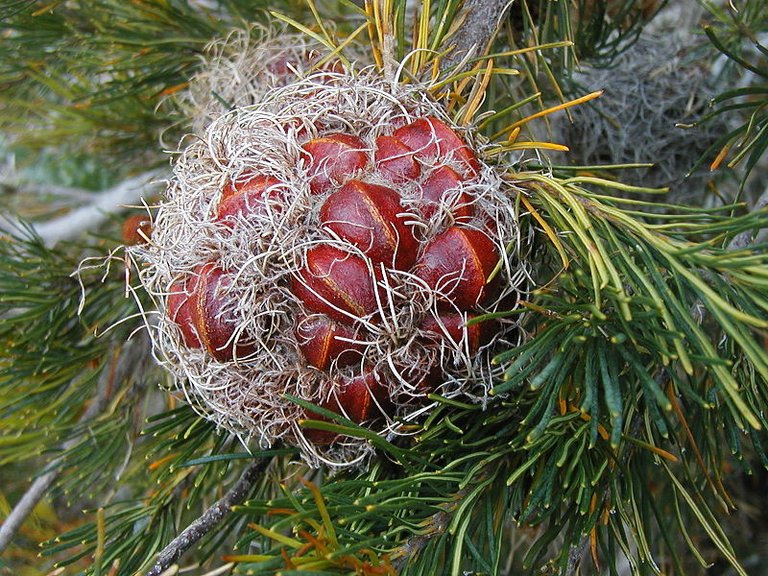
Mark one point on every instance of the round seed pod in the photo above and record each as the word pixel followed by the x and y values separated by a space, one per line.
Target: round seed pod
pixel 455 329
pixel 396 160
pixel 371 217
pixel 205 315
pixel 181 310
pixel 452 334
pixel 361 398
pixel 249 195
pixel 336 283
pixel 323 342
pixel 457 265
pixel 437 188
pixel 333 159
pixel 214 315
pixel 431 138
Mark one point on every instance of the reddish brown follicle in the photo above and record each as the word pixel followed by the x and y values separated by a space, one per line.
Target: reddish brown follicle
pixel 395 160
pixel 249 195
pixel 431 138
pixel 280 65
pixel 136 229
pixel 333 159
pixel 427 380
pixel 369 217
pixel 437 186
pixel 336 283
pixel 323 341
pixel 213 314
pixel 360 398
pixel 453 327
pixel 180 308
pixel 457 264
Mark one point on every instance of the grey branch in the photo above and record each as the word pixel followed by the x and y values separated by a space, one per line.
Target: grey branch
pixel 128 361
pixel 481 21
pixel 209 519
pixel 24 507
pixel 57 193
pixel 575 555
pixel 129 192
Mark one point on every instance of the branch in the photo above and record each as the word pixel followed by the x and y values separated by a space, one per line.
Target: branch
pixel 481 22
pixel 24 507
pixel 209 519
pixel 71 225
pixel 124 364
pixel 25 188
pixel 575 554
pixel 438 525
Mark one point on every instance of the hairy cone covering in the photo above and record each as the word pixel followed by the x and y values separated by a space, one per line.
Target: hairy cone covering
pixel 331 242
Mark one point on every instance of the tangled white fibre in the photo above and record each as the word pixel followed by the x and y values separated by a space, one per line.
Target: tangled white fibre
pixel 240 69
pixel 266 249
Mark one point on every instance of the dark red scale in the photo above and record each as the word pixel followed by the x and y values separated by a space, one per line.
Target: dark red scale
pixel 204 312
pixel 181 308
pixel 333 159
pixel 336 283
pixel 395 160
pixel 248 195
pixel 457 264
pixel 323 341
pixel 452 326
pixel 435 188
pixel 431 138
pixel 216 320
pixel 370 217
pixel 360 398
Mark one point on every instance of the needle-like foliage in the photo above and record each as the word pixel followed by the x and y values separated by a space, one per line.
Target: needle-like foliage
pixel 740 37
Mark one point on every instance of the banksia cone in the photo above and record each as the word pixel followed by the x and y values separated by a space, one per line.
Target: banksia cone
pixel 334 253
